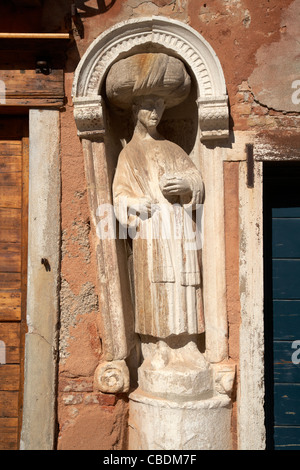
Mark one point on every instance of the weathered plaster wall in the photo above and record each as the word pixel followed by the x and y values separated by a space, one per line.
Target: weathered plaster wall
pixel 256 45
pixel 245 35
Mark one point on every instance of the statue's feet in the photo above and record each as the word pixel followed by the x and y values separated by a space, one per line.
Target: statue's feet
pixel 161 357
pixel 176 372
pixel 192 356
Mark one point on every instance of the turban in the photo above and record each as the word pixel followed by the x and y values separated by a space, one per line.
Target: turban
pixel 147 74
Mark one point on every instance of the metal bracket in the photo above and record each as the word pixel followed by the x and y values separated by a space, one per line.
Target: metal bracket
pixel 250 165
pixel 42 66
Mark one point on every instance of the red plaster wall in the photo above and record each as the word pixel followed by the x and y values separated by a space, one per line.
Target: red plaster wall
pixel 237 30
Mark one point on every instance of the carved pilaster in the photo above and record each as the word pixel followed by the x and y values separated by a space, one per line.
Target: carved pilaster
pixel 213 118
pixel 224 376
pixel 111 375
pixel 89 116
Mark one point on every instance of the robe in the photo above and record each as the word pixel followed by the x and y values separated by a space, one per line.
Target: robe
pixel 166 265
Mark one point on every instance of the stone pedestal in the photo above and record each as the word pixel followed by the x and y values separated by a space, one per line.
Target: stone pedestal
pixel 162 424
pixel 182 402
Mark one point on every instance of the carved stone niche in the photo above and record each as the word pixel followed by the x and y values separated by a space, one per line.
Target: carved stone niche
pixel 141 35
pixel 103 130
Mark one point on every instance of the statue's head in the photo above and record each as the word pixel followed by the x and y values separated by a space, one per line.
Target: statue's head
pixel 147 80
pixel 148 110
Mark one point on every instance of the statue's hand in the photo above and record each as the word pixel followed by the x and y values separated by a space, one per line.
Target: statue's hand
pixel 174 186
pixel 141 207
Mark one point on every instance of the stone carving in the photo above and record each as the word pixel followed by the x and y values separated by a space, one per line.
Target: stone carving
pixel 156 190
pixel 112 377
pixel 213 118
pixel 224 375
pixel 163 33
pixel 173 425
pixel 88 114
pixel 179 389
pixel 154 171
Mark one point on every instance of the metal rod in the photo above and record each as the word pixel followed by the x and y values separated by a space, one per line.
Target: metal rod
pixel 250 165
pixel 34 35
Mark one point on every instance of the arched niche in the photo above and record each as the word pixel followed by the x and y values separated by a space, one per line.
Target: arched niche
pixel 144 34
pixel 101 145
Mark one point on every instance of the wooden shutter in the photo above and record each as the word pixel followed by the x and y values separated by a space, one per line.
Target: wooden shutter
pixel 29 88
pixel 282 304
pixel 13 263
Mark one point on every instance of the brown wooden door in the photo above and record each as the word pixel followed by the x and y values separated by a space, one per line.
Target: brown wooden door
pixel 13 264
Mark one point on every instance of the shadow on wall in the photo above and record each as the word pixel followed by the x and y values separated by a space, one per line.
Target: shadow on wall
pixel 103 6
pixel 79 11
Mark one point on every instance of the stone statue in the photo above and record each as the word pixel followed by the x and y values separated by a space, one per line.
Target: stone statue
pixel 182 400
pixel 156 190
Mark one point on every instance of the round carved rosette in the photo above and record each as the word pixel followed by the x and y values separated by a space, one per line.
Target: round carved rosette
pixel 112 377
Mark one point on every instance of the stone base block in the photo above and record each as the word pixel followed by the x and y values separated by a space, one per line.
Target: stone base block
pixel 160 424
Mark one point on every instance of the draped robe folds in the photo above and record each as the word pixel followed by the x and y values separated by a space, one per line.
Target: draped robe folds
pixel 166 262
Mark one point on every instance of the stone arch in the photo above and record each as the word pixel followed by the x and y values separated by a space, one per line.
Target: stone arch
pixel 155 33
